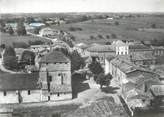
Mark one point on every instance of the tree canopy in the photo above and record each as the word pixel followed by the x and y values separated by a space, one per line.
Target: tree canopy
pixel 21 28
pixel 10 62
pixel 95 67
pixel 9 51
pixel 9 58
pixel 76 61
pixel 10 30
pixel 28 57
pixel 103 79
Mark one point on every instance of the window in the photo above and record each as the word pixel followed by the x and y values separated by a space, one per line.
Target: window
pixel 4 93
pixel 58 94
pixel 50 78
pixel 28 92
pixel 62 80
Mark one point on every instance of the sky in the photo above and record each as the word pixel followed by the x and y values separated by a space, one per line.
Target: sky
pixel 36 6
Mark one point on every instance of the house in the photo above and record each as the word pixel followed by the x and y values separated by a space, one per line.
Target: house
pixel 120 47
pixel 19 88
pixel 139 48
pixel 158 93
pixel 38 48
pixel 55 77
pixel 49 32
pixel 158 50
pixel 100 52
pixel 143 59
pixel 122 69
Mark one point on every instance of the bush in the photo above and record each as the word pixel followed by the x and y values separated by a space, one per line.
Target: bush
pixel 108 43
pixel 100 36
pixel 116 23
pixel 92 37
pixel 153 26
pixel 114 36
pixel 107 36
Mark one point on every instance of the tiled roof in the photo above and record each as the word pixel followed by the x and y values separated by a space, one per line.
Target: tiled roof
pixel 54 57
pixel 128 86
pixel 12 82
pixel 158 90
pixel 99 108
pixel 138 47
pixel 124 66
pixel 101 48
pixel 157 47
pixel 60 88
pixel 142 56
pixel 141 76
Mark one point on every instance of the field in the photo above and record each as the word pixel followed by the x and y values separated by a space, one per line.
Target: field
pixel 127 29
pixel 91 30
pixel 8 39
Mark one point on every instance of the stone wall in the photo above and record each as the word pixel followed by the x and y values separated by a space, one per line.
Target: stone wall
pixel 32 96
pixel 11 97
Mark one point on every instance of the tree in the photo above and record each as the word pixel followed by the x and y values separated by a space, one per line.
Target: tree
pixel 92 37
pixel 108 43
pixel 76 61
pixel 153 26
pixel 114 36
pixel 107 36
pixel 9 51
pixel 116 23
pixel 100 36
pixel 103 79
pixel 10 30
pixel 9 58
pixel 2 26
pixel 20 28
pixel 28 57
pixel 10 62
pixel 68 41
pixel 96 68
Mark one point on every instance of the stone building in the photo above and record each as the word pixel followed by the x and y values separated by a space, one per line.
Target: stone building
pixel 19 88
pixel 55 76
